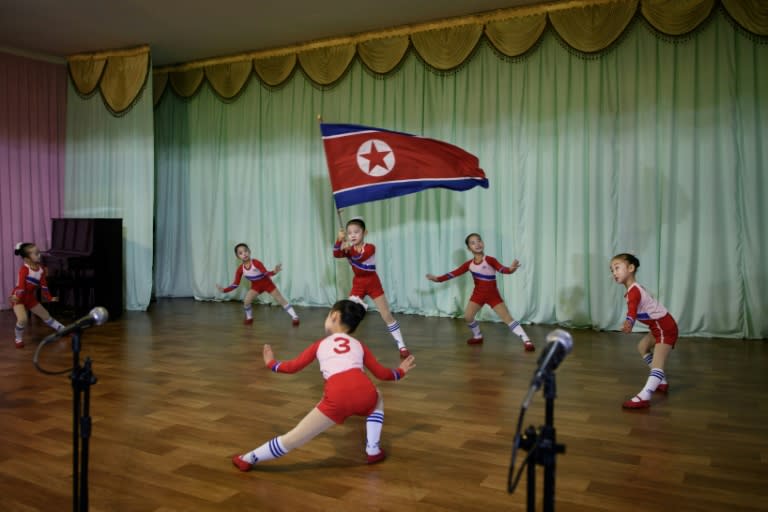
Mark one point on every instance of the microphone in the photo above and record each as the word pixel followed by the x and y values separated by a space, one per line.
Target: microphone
pixel 559 345
pixel 97 316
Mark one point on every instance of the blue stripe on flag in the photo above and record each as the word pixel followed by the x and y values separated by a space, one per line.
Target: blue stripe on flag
pixel 378 191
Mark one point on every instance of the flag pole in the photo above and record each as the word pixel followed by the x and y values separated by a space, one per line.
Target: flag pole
pixel 338 210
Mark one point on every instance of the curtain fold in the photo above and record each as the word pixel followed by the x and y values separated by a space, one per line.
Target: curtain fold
pixel 120 76
pixel 326 65
pixel 447 48
pixel 110 174
pixel 33 105
pixel 676 17
pixel 650 148
pixel 229 78
pixel 594 27
pixel 587 26
pixel 515 36
pixel 383 55
pixel 750 14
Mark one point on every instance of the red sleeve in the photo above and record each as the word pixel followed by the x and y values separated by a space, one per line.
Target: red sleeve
pixel 236 281
pixel 368 251
pixel 296 364
pixel 44 285
pixel 633 301
pixel 262 268
pixel 498 266
pixel 18 291
pixel 338 252
pixel 455 273
pixel 380 371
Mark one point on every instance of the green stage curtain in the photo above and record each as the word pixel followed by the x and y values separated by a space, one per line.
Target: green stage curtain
pixel 654 147
pixel 110 174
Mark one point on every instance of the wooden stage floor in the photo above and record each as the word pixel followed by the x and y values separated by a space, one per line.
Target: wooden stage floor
pixel 183 387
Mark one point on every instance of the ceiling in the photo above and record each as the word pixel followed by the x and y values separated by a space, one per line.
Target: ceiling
pixel 181 31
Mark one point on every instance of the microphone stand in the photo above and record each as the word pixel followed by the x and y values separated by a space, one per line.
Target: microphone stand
pixel 542 450
pixel 82 379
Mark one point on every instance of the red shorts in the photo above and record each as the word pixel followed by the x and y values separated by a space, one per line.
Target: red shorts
pixel 490 297
pixel 368 285
pixel 664 329
pixel 349 393
pixel 263 285
pixel 28 300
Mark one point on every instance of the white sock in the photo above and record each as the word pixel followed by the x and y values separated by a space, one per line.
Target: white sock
pixel 272 449
pixel 475 327
pixel 394 330
pixel 648 358
pixel 654 379
pixel 248 311
pixel 516 328
pixel 289 309
pixel 18 332
pixel 373 425
pixel 53 324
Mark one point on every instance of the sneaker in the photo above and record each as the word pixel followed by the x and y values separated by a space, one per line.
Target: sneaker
pixel 241 464
pixel 529 346
pixel 248 321
pixel 19 343
pixel 404 353
pixel 662 388
pixel 632 404
pixel 373 459
pixel 295 322
pixel 475 341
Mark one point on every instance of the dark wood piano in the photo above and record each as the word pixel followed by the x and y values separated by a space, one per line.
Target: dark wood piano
pixel 85 264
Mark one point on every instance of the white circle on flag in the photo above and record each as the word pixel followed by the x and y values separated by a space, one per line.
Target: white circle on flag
pixel 375 157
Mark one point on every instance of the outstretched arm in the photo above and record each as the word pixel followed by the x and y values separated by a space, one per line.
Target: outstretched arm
pixel 294 365
pixel 382 372
pixel 501 268
pixel 235 281
pixel 450 275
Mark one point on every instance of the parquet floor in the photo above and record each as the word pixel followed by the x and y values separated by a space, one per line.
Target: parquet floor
pixel 183 387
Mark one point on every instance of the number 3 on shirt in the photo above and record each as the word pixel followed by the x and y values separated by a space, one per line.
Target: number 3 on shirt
pixel 342 345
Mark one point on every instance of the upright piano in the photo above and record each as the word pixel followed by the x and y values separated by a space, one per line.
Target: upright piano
pixel 85 264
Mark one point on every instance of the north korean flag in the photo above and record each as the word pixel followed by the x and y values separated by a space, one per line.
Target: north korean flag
pixel 369 164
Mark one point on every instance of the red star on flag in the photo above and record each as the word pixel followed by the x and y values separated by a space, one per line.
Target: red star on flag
pixel 375 158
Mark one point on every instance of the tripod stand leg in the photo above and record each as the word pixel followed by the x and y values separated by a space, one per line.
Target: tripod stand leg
pixel 531 484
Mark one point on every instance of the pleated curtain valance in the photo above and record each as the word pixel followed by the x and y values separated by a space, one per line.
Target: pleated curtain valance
pixel 118 75
pixel 585 26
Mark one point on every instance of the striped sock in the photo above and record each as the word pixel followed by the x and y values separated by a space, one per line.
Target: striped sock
pixel 475 327
pixel 648 358
pixel 373 426
pixel 248 311
pixel 18 331
pixel 394 330
pixel 289 309
pixel 53 324
pixel 654 379
pixel 272 449
pixel 516 328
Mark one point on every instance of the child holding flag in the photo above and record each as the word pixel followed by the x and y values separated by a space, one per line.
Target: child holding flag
pixel 365 281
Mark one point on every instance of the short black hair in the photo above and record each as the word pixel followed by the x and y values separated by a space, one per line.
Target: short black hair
pixel 23 249
pixel 629 258
pixel 357 220
pixel 352 313
pixel 241 245
pixel 466 240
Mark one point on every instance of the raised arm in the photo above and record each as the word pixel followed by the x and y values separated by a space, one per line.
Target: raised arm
pixel 501 268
